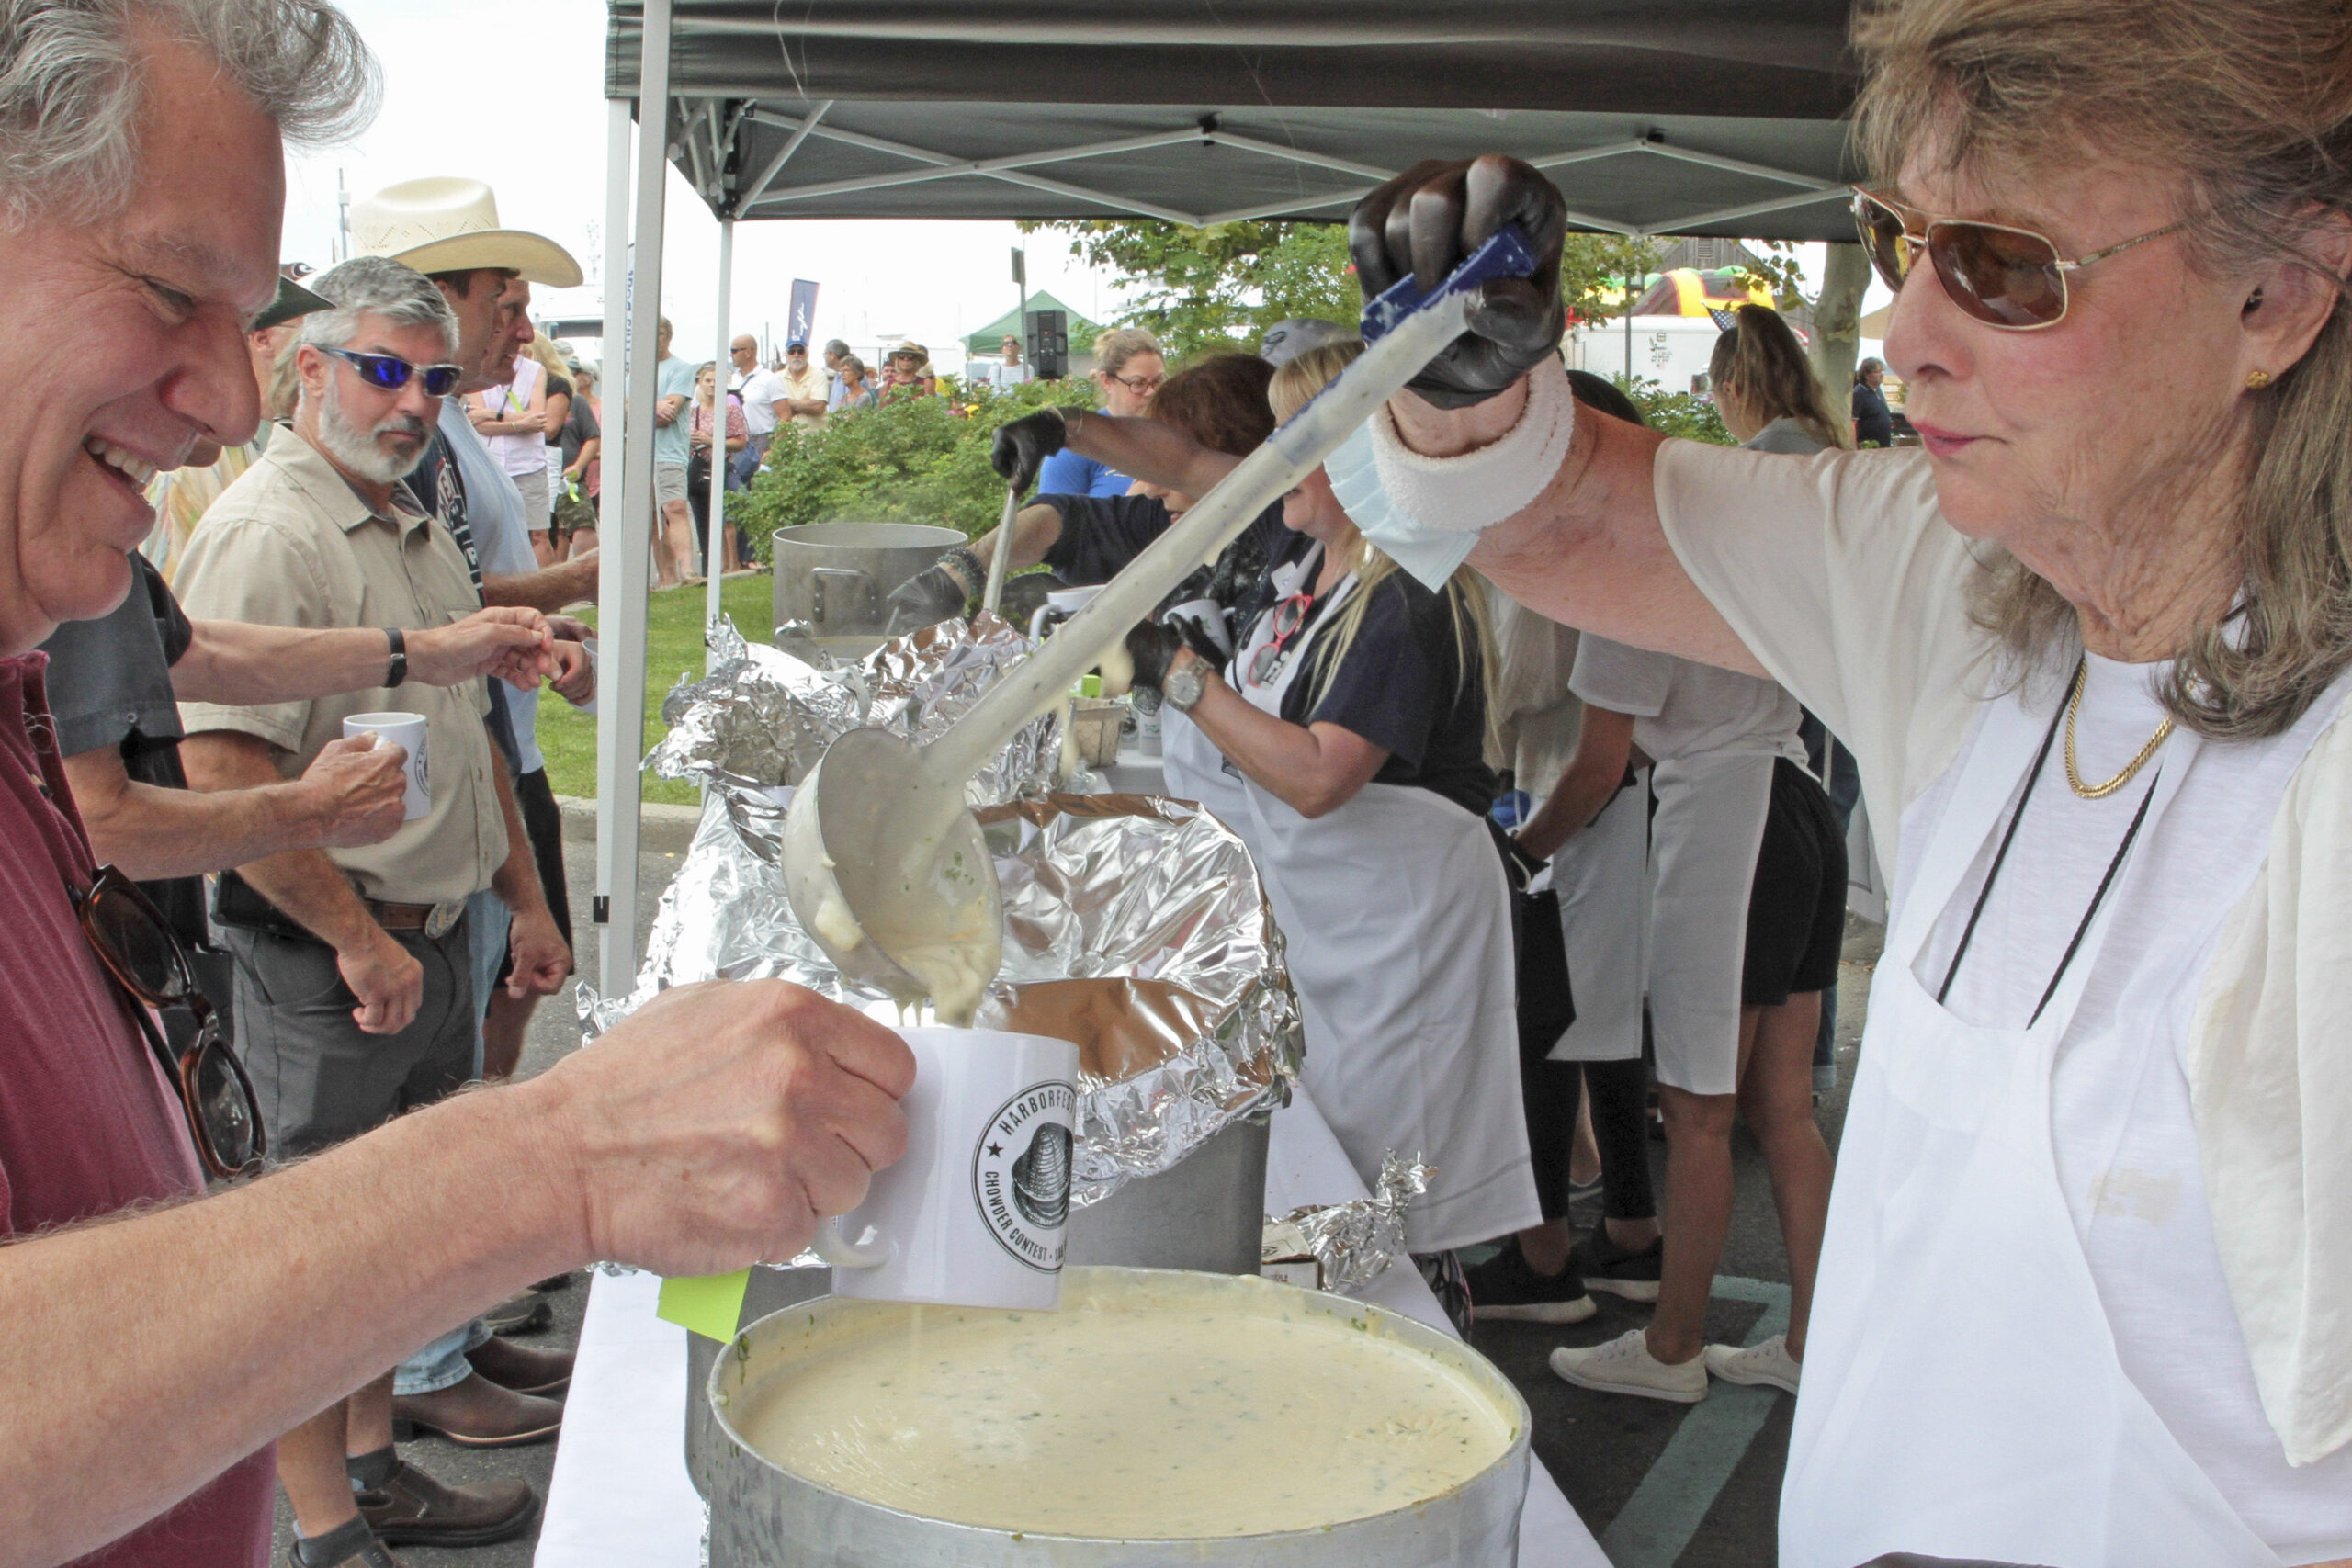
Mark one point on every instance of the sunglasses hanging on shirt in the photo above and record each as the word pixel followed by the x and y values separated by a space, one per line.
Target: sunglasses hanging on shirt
pixel 137 946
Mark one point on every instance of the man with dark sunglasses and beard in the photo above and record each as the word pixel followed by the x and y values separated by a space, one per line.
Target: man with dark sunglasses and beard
pixel 354 984
pixel 114 688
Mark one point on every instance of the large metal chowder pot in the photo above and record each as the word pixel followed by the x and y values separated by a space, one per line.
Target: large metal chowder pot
pixel 834 577
pixel 1206 1214
pixel 765 1517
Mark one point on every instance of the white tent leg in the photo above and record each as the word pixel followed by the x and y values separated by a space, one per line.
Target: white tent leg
pixel 615 829
pixel 620 733
pixel 715 561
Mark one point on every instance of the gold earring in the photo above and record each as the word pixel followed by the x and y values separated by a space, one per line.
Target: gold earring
pixel 2256 380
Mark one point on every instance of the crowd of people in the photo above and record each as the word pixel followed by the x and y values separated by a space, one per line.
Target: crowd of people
pixel 2077 1297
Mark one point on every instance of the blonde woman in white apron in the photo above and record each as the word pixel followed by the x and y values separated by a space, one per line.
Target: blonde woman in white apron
pixel 1355 714
pixel 2083 1297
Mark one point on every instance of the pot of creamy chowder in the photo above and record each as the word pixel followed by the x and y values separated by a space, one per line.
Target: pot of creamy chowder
pixel 1160 1417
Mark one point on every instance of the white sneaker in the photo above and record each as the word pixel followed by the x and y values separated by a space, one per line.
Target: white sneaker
pixel 1625 1365
pixel 1767 1363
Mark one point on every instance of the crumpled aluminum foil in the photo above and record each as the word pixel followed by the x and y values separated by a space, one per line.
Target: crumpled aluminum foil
pixel 1134 926
pixel 1357 1241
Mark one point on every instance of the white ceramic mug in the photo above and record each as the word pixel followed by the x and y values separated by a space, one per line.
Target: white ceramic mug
pixel 975 1213
pixel 1062 603
pixel 407 730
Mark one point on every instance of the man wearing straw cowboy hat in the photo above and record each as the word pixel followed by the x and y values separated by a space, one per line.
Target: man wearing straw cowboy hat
pixel 449 228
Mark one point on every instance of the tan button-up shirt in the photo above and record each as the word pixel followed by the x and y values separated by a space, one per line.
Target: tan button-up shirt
pixel 290 543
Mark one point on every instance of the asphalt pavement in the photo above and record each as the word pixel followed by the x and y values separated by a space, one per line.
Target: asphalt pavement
pixel 1662 1485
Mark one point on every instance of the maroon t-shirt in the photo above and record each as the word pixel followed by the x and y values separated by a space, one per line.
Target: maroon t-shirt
pixel 87 1125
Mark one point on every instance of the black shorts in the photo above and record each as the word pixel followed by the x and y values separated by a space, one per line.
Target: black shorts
pixel 1796 906
pixel 542 822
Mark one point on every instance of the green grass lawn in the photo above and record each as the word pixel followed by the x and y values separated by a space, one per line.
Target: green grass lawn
pixel 673 645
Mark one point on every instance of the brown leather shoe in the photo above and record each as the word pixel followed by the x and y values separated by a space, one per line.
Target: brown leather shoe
pixel 413 1508
pixel 522 1368
pixel 478 1413
pixel 350 1545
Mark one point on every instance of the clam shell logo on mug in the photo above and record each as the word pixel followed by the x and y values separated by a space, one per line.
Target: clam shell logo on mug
pixel 405 730
pixel 975 1213
pixel 1020 1174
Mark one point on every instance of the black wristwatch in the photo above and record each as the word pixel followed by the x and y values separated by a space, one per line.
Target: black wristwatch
pixel 398 670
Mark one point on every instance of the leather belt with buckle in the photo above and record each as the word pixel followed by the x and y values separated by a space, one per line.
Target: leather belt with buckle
pixel 433 919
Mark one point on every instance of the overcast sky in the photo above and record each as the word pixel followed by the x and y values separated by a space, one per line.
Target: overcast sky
pixel 511 92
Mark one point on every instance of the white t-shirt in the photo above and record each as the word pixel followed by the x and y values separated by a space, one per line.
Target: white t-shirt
pixel 1681 708
pixel 526 453
pixel 1844 581
pixel 760 390
pixel 1002 375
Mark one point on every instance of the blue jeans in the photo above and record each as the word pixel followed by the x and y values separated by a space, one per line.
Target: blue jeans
pixel 443 1363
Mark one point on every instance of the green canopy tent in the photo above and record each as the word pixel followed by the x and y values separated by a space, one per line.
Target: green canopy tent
pixel 989 339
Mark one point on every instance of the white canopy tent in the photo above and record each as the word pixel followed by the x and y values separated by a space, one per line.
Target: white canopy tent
pixel 1656 117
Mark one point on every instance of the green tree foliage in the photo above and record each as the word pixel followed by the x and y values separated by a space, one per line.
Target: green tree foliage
pixel 1204 289
pixel 921 460
pixel 1676 413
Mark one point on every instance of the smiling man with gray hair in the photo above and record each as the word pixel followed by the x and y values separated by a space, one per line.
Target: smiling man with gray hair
pixel 141 180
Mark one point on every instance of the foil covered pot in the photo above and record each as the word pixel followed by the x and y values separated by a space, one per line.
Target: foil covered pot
pixel 1135 927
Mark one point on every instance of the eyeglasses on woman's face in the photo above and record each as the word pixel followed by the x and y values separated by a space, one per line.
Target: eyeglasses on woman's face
pixel 2007 278
pixel 137 946
pixel 1141 385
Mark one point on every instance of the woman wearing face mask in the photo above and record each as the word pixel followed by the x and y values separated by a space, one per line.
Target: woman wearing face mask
pixel 1354 709
pixel 2081 1299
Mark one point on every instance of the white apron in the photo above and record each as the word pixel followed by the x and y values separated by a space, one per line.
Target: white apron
pixel 1195 770
pixel 1963 1393
pixel 1704 839
pixel 1603 876
pixel 1398 921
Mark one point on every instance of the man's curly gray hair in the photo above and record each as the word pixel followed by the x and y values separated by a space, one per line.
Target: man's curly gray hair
pixel 73 86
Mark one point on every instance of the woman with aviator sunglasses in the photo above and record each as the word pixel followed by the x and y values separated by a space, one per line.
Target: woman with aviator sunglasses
pixel 2080 1298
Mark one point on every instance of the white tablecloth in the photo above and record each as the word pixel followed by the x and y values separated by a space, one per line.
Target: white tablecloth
pixel 620 1498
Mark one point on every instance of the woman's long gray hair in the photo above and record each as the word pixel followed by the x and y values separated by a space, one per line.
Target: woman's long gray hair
pixel 2252 101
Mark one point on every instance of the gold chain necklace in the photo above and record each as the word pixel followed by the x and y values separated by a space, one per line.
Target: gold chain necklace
pixel 2130 770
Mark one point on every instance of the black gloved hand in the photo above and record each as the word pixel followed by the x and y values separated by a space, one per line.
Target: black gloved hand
pixel 930 596
pixel 1206 645
pixel 1424 221
pixel 1152 648
pixel 1238 570
pixel 1023 443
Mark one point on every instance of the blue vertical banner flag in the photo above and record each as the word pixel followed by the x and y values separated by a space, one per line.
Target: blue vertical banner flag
pixel 804 313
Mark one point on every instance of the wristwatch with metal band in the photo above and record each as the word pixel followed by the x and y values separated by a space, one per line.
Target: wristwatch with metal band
pixel 1182 686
